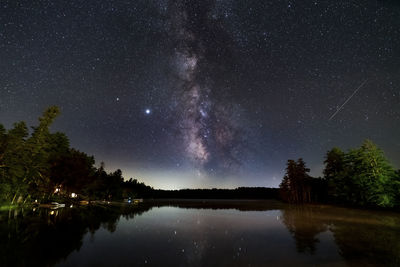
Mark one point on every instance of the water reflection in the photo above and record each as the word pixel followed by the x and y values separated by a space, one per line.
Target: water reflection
pixel 198 233
pixel 304 225
pixel 363 238
pixel 42 237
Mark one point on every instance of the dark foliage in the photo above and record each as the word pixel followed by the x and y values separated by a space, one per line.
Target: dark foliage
pixel 43 167
pixel 29 236
pixel 298 187
pixel 238 193
pixel 362 177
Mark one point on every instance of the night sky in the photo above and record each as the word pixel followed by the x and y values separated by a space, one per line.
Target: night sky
pixel 183 94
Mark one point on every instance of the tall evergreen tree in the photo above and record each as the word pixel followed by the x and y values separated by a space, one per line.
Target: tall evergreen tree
pixel 39 149
pixel 303 181
pixel 295 186
pixel 287 185
pixel 13 162
pixel 333 172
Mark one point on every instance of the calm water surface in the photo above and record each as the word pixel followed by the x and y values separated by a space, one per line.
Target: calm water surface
pixel 200 233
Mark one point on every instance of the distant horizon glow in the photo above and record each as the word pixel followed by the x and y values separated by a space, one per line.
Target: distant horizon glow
pixel 188 94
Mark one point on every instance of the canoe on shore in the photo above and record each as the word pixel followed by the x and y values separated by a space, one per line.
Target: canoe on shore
pixel 52 205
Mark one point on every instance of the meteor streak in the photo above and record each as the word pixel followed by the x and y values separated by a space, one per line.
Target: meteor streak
pixel 348 99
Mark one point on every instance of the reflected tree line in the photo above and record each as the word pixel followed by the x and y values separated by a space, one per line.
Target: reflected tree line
pixel 362 237
pixel 28 235
pixel 40 165
pixel 361 176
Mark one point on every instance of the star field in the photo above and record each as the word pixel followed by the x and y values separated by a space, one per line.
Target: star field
pixel 205 93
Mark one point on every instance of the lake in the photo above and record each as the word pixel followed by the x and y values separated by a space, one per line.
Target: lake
pixel 200 233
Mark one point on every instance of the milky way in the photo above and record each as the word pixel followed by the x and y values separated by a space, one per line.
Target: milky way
pixel 233 89
pixel 208 126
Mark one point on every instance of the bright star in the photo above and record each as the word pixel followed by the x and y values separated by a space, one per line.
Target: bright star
pixel 147 111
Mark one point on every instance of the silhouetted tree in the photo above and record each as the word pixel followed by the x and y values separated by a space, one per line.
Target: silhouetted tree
pixel 13 162
pixel 296 185
pixel 334 167
pixel 33 166
pixel 134 189
pixel 72 172
pixel 38 147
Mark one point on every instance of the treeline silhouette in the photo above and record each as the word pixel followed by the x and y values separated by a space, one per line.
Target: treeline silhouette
pixel 238 193
pixel 42 167
pixel 362 177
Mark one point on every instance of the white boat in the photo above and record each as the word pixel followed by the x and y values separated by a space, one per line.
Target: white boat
pixel 52 205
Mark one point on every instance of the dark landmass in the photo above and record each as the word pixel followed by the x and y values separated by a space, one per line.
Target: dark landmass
pixel 41 167
pixel 238 193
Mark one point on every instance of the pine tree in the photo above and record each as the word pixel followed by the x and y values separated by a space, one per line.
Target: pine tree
pixel 295 186
pixel 13 158
pixel 39 148
pixel 333 172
